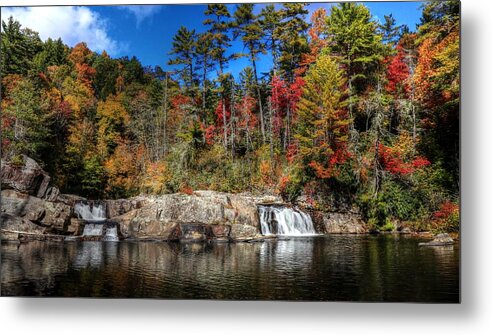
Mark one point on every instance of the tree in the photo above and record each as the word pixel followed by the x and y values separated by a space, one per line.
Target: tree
pixel 270 24
pixel 24 124
pixel 106 74
pixel 54 53
pixel 204 62
pixel 184 49
pixel 219 28
pixel 317 38
pixel 19 47
pixel 353 37
pixel 249 29
pixel 112 121
pixel 437 84
pixel 322 127
pixel 292 36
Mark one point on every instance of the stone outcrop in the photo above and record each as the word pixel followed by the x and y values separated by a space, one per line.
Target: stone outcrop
pixel 343 223
pixel 28 178
pixel 439 240
pixel 121 206
pixel 203 215
pixel 52 215
pixel 14 223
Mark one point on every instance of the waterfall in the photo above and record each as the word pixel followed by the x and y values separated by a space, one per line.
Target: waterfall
pixel 90 212
pixel 285 221
pixel 96 227
pixel 111 234
pixel 105 231
pixel 93 229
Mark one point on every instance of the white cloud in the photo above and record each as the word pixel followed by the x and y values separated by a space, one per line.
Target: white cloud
pixel 142 12
pixel 72 24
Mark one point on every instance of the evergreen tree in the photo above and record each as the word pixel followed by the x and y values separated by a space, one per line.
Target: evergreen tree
pixel 184 47
pixel 271 26
pixel 219 28
pixel 249 29
pixel 293 39
pixel 19 47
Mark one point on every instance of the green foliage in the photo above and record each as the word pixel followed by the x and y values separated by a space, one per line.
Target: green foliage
pixel 19 47
pixel 27 132
pixel 394 201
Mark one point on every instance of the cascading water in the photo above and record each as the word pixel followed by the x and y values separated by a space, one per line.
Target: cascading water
pixel 90 211
pixel 285 221
pixel 96 226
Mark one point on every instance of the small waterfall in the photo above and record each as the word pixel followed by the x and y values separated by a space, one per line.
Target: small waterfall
pixel 285 221
pixel 111 234
pixel 96 227
pixel 90 211
pixel 93 229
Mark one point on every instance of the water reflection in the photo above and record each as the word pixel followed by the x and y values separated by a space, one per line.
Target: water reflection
pixel 367 268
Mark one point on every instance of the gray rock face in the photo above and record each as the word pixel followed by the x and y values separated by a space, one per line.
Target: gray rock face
pixel 29 178
pixel 14 223
pixel 203 215
pixel 439 240
pixel 343 223
pixel 121 206
pixel 52 215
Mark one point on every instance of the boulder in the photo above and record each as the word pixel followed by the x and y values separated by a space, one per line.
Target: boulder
pixel 193 232
pixel 69 199
pixel 27 178
pixel 52 193
pixel 75 227
pixel 54 215
pixel 12 223
pixel 121 206
pixel 439 240
pixel 343 223
pixel 243 232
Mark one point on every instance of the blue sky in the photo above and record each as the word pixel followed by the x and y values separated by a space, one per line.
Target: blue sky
pixel 147 31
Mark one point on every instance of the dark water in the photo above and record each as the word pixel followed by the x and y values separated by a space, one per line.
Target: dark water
pixel 336 268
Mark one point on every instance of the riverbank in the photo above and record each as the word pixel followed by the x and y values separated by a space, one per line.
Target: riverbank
pixel 34 209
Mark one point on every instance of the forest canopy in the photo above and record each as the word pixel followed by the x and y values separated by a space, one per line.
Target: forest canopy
pixel 354 113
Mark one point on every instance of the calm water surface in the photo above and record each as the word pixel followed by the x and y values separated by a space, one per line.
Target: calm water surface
pixel 336 268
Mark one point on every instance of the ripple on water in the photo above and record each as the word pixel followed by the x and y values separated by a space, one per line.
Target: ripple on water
pixel 336 267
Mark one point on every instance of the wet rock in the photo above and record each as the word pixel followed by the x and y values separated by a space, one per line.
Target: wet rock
pixel 193 233
pixel 439 240
pixel 53 215
pixel 27 178
pixel 220 231
pixel 243 232
pixel 75 227
pixel 344 223
pixel 14 223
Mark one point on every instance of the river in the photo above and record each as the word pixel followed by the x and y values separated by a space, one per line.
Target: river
pixel 331 268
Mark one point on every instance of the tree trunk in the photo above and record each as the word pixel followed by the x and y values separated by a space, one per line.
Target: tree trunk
pixel 258 93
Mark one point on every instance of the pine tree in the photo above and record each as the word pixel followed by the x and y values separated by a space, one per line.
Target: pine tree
pixel 184 47
pixel 353 37
pixel 249 29
pixel 19 47
pixel 219 28
pixel 293 39
pixel 204 63
pixel 271 26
